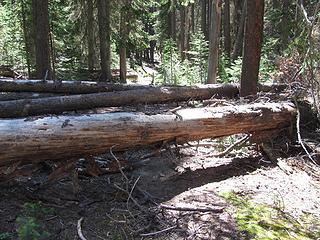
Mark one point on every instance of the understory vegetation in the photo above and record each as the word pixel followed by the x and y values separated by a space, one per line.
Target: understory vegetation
pixel 260 221
pixel 129 153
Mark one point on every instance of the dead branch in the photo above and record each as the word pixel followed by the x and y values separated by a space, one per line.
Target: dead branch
pixel 158 232
pixel 189 209
pixel 79 230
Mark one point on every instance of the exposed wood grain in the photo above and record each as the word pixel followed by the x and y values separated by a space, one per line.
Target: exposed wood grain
pixel 66 137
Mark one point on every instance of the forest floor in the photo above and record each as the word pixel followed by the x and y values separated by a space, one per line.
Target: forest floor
pixel 171 192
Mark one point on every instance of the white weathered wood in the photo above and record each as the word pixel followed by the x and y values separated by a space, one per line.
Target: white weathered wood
pixel 65 137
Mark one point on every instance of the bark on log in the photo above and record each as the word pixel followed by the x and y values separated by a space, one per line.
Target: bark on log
pixel 84 87
pixel 66 87
pixel 9 96
pixel 65 137
pixel 56 105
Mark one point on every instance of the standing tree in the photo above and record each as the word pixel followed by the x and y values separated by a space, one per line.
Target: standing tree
pixel 226 28
pixel 41 38
pixel 238 45
pixel 214 34
pixel 204 25
pixel 252 47
pixel 124 35
pixel 105 38
pixel 90 35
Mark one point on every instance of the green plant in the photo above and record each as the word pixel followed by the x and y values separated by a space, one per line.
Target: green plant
pixel 5 236
pixel 261 222
pixel 170 64
pixel 30 222
pixel 199 57
pixel 229 73
pixel 174 71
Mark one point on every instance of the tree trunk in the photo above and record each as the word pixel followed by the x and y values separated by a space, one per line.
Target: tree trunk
pixel 204 26
pixel 183 32
pixel 285 27
pixel 252 48
pixel 69 137
pixel 26 37
pixel 55 105
pixel 171 21
pixel 41 36
pixel 104 33
pixel 226 29
pixel 124 34
pixel 214 42
pixel 9 96
pixel 238 45
pixel 192 22
pixel 66 87
pixel 90 35
pixel 84 87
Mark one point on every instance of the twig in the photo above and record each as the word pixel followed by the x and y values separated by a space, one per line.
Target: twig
pixel 158 232
pixel 119 164
pixel 238 143
pixel 125 191
pixel 79 230
pixel 175 109
pixel 304 13
pixel 299 133
pixel 98 236
pixel 132 189
pixel 189 209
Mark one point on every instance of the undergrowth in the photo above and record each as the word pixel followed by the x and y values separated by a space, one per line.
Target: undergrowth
pixel 30 222
pixel 262 222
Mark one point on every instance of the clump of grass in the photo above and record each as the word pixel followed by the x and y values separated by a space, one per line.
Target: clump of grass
pixel 262 222
pixel 29 223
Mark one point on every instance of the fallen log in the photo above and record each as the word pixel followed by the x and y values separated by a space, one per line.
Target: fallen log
pixel 9 96
pixel 68 137
pixel 65 87
pixel 85 87
pixel 56 105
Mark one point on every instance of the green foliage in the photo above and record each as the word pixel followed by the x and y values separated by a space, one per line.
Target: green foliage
pixel 198 53
pixel 11 40
pixel 169 70
pixel 5 236
pixel 30 222
pixel 267 63
pixel 261 222
pixel 174 71
pixel 229 72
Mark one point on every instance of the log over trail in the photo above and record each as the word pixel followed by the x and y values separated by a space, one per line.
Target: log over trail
pixel 84 87
pixel 9 96
pixel 56 105
pixel 65 87
pixel 65 137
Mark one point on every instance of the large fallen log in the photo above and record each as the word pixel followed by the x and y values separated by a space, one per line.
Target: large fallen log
pixel 56 105
pixel 9 96
pixel 67 137
pixel 84 87
pixel 66 87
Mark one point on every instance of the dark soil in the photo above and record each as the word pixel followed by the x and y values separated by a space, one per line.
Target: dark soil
pixel 183 178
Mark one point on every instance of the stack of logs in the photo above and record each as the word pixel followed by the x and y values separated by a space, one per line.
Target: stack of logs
pixel 36 124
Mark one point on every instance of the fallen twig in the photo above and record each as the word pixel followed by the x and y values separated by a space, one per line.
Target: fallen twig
pixel 299 133
pixel 158 232
pixel 132 189
pixel 79 230
pixel 238 143
pixel 189 209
